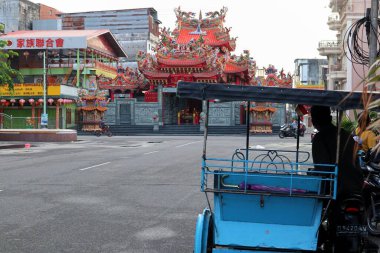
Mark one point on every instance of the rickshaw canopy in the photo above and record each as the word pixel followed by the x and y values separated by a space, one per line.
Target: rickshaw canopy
pixel 339 100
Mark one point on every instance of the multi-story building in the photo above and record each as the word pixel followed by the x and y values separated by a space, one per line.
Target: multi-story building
pixel 342 73
pixel 19 14
pixel 135 29
pixel 67 62
pixel 310 73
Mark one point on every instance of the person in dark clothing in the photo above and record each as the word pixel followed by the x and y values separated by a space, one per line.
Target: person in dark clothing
pixel 102 124
pixel 350 177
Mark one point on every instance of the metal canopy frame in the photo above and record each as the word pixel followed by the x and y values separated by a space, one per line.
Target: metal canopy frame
pixel 339 100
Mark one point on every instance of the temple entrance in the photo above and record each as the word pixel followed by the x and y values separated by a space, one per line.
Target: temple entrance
pixel 189 111
pixel 125 114
pixel 178 111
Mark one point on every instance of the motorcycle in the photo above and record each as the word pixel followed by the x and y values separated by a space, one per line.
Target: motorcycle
pixel 371 192
pixel 104 130
pixel 344 228
pixel 287 130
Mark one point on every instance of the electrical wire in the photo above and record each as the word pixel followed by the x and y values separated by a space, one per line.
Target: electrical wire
pixel 356 47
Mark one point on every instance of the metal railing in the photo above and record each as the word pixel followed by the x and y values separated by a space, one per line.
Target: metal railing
pixel 269 172
pixel 329 43
pixel 11 122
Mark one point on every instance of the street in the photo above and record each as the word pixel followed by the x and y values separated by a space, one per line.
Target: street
pixel 101 194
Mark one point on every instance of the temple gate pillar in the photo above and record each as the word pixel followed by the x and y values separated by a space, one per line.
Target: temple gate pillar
pixel 160 105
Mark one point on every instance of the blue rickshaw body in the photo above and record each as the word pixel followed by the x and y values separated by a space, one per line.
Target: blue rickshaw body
pixel 267 202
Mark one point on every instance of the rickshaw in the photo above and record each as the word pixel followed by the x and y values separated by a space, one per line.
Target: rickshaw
pixel 265 200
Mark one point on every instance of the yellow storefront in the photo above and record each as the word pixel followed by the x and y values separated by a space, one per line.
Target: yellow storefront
pixel 22 106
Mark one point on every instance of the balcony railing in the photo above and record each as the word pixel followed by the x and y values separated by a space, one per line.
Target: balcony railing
pixel 329 47
pixel 334 21
pixel 329 43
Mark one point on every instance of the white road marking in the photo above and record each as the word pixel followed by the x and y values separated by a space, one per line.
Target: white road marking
pixel 95 166
pixel 1 190
pixel 150 152
pixel 187 144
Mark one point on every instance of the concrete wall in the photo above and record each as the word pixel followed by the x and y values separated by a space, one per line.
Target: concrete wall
pixel 49 24
pixel 144 113
pixel 9 14
pixel 18 14
pixel 141 112
pixel 222 114
pixel 47 12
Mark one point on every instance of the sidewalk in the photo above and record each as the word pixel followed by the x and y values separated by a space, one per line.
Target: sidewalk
pixel 13 144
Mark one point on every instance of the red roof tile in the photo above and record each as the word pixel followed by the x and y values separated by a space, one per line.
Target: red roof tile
pixel 184 37
pixel 233 68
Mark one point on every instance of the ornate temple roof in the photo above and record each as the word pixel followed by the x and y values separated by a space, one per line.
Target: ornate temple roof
pixel 273 79
pixel 210 29
pixel 234 68
pixel 199 48
pixel 126 79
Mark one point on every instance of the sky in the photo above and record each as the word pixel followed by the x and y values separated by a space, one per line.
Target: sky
pixel 274 31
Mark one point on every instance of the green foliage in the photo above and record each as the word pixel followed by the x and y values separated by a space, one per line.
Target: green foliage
pixel 7 74
pixel 348 124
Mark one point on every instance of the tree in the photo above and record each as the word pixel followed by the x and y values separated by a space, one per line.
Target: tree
pixel 7 74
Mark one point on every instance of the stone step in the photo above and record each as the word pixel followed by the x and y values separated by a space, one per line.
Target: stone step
pixel 178 130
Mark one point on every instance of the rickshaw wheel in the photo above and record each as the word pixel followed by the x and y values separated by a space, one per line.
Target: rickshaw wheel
pixel 203 240
pixel 373 226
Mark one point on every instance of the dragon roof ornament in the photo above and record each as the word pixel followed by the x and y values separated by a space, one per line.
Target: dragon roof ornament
pixel 188 20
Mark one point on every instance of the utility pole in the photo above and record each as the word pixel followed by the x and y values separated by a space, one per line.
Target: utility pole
pixel 373 35
pixel 373 32
pixel 44 116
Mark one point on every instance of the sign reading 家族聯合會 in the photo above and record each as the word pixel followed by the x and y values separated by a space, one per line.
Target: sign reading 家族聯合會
pixel 45 43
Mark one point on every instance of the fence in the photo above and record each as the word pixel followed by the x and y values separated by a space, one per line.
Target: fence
pixel 11 122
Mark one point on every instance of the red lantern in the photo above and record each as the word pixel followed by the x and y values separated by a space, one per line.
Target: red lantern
pixel 50 101
pixel 60 100
pixel 22 101
pixel 31 101
pixel 3 101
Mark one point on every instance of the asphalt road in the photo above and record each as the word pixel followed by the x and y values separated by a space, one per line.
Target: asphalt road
pixel 101 194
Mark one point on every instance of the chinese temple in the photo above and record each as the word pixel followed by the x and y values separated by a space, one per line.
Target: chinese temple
pixel 262 113
pixel 197 50
pixel 128 81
